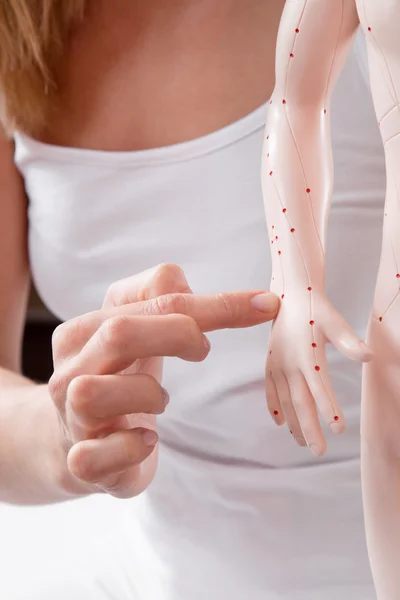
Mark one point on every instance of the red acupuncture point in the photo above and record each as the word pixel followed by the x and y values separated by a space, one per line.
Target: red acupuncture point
pixel 293 230
pixel 312 322
pixel 314 345
pixel 283 101
pixel 284 210
pixel 270 172
pixel 336 418
pixel 308 190
pixel 276 237
pixel 369 29
pixel 297 30
pixel 291 55
pixel 276 412
pixel 398 275
pixel 380 319
pixel 317 368
pixel 283 295
pixel 309 289
pixel 279 252
pixel 273 226
pixel 324 111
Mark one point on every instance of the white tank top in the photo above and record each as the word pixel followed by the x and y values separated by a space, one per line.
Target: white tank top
pixel 237 509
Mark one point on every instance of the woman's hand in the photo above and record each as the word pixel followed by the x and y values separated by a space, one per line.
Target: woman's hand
pixel 107 370
pixel 297 374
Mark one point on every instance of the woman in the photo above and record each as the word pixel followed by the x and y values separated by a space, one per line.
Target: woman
pixel 148 152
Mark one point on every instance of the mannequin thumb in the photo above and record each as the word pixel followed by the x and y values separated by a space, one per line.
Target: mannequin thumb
pixel 340 334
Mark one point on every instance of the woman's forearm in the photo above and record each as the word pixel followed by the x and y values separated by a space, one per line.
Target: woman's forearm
pixel 33 468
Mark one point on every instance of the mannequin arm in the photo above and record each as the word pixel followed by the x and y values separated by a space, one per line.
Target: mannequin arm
pixel 313 43
pixel 297 175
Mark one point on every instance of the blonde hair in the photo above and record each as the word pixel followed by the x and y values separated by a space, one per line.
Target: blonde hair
pixel 33 35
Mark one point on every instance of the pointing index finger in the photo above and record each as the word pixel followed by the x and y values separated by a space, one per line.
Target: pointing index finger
pixel 217 311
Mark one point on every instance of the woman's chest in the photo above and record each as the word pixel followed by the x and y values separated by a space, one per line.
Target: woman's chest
pixel 144 75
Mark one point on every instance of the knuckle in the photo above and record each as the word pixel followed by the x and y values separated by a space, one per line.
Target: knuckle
pixel 227 305
pixel 169 269
pixel 117 294
pixel 167 304
pixel 109 297
pixel 113 330
pixel 57 386
pixel 65 335
pixel 171 303
pixel 53 385
pixel 59 332
pixel 164 277
pixel 169 275
pixel 60 337
pixel 81 464
pixel 81 394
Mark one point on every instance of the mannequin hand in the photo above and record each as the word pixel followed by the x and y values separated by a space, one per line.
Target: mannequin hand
pixel 297 377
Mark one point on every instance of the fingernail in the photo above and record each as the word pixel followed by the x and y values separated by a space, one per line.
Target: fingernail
pixel 265 302
pixel 149 438
pixel 206 342
pixel 165 397
pixel 278 420
pixel 336 427
pixel 315 450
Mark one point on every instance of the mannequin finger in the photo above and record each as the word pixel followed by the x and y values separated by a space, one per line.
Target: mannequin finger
pixel 274 406
pixel 321 389
pixel 289 412
pixel 307 415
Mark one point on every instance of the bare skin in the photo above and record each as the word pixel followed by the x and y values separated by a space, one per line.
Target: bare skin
pixel 138 75
pixel 143 75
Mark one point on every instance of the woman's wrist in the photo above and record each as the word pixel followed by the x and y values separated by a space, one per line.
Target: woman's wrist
pixel 33 457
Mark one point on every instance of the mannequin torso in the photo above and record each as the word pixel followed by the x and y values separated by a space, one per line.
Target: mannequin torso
pixel 313 42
